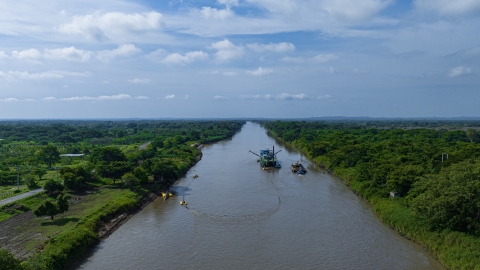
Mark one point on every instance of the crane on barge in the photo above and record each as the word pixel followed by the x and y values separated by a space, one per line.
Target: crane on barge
pixel 268 158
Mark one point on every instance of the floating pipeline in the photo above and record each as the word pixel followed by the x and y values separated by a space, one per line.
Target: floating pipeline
pixel 266 213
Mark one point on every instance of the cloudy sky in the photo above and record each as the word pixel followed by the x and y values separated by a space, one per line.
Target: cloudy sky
pixel 239 58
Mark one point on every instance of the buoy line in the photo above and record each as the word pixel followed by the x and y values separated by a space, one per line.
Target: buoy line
pixel 235 217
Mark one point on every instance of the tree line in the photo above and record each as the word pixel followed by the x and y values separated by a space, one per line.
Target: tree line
pixel 445 191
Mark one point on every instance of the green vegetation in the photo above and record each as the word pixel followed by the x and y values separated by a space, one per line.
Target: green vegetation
pixel 8 262
pixel 120 168
pixel 48 208
pixel 439 204
pixel 49 155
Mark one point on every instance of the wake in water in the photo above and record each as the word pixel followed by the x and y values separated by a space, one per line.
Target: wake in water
pixel 266 213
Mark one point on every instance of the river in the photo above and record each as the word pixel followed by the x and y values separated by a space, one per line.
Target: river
pixel 242 217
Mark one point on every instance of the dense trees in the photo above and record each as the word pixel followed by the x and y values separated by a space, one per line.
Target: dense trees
pixel 27 143
pixel 407 161
pixel 52 186
pixel 450 199
pixel 49 155
pixel 75 178
pixel 110 162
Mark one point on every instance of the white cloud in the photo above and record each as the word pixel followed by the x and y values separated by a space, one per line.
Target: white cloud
pixel 250 97
pixel 219 98
pixel 213 13
pixel 475 52
pixel 449 7
pixel 115 97
pixel 324 97
pixel 141 81
pixel 286 96
pixel 230 73
pixel 459 71
pixel 359 71
pixel 340 10
pixel 282 96
pixel 169 97
pixel 297 60
pixel 68 53
pixel 259 72
pixel 276 6
pixel 122 50
pixel 323 58
pixel 77 98
pixel 217 14
pixel 30 54
pixel 337 17
pixel 42 75
pixel 8 100
pixel 189 57
pixel 274 47
pixel 111 25
pixel 226 51
pixel 99 98
pixel 228 3
pixel 353 10
pixel 187 96
pixel 157 55
pixel 87 98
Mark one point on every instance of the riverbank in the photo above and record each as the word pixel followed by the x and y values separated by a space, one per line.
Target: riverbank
pixel 319 222
pixel 455 250
pixel 109 227
pixel 64 242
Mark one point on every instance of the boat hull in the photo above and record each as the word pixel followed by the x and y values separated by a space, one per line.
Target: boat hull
pixel 298 168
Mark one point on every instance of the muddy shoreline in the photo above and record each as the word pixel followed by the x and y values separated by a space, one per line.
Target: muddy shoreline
pixel 107 228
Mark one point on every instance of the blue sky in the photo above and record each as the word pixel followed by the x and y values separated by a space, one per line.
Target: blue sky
pixel 239 58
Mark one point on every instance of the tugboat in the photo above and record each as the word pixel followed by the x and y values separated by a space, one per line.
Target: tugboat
pixel 268 158
pixel 298 168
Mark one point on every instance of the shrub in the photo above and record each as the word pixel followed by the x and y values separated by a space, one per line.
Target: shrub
pixel 8 262
pixel 52 186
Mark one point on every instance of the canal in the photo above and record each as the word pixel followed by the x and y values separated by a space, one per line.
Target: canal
pixel 242 217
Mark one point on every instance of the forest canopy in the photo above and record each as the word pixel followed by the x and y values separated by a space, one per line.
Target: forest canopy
pixel 436 170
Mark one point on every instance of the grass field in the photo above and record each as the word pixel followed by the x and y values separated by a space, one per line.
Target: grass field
pixel 23 234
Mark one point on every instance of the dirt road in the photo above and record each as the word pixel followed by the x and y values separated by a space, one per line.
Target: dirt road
pixel 21 196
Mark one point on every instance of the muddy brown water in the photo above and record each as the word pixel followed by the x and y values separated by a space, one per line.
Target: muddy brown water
pixel 242 217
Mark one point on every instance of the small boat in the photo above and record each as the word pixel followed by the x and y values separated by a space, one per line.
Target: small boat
pixel 298 168
pixel 165 195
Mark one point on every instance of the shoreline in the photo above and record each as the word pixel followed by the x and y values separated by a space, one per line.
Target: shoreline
pixel 108 228
pixel 371 204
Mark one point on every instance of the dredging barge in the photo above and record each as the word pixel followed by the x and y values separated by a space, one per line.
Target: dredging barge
pixel 268 158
